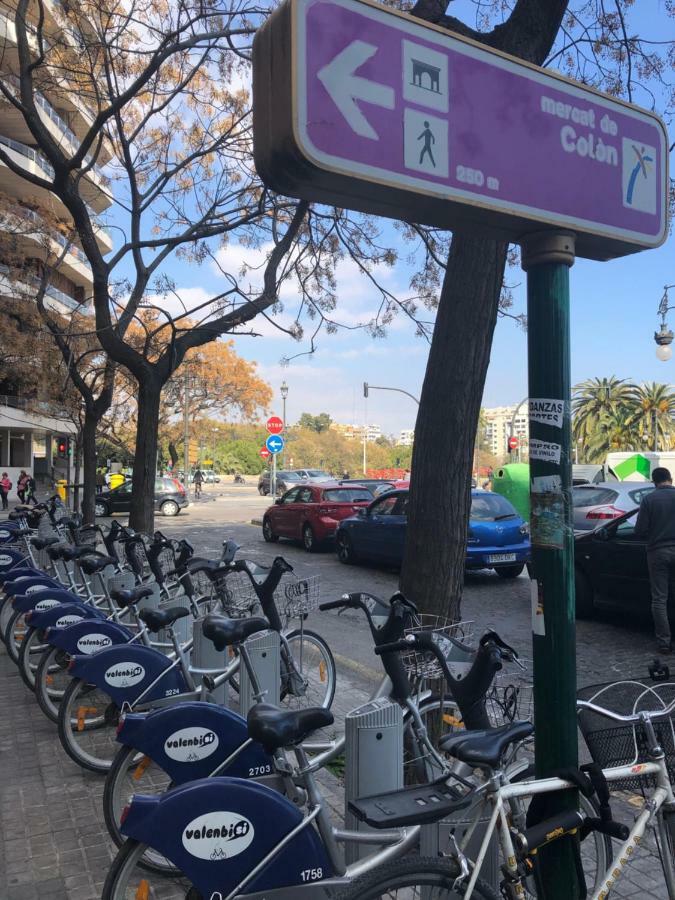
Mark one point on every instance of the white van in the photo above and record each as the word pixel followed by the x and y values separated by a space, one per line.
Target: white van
pixel 638 465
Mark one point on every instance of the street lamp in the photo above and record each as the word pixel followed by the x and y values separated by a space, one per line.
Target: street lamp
pixel 283 390
pixel 664 337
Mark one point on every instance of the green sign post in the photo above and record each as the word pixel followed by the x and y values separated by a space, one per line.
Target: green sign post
pixel 547 259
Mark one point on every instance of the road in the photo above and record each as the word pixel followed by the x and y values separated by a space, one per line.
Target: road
pixel 611 646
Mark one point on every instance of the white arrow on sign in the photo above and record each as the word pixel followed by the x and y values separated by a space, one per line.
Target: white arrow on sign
pixel 345 88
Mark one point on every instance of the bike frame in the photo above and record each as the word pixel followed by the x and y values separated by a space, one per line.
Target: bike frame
pixel 497 795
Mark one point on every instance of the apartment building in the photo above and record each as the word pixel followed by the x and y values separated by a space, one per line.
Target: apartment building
pixel 34 227
pixel 498 422
pixel 355 432
pixel 406 437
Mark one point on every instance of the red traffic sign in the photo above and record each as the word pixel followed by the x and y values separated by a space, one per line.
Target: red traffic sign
pixel 275 425
pixel 264 452
pixel 513 443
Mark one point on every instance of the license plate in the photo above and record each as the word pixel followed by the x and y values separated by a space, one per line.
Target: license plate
pixel 502 557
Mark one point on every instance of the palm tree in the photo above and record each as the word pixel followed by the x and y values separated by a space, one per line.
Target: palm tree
pixel 652 417
pixel 601 418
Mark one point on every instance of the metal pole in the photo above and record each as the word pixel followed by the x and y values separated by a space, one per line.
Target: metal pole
pixel 283 415
pixel 656 431
pixel 365 429
pixel 186 431
pixel 273 484
pixel 547 258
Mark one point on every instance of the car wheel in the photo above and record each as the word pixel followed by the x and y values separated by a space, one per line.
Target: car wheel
pixel 268 534
pixel 101 508
pixel 170 508
pixel 309 541
pixel 510 571
pixel 344 548
pixel 584 591
pixel 261 490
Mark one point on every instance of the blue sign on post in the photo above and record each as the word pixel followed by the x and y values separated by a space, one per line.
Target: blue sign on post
pixel 275 443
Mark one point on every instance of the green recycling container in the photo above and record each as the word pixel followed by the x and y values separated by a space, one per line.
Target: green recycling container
pixel 513 482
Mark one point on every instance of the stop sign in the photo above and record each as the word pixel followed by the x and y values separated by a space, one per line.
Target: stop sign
pixel 275 425
pixel 264 452
pixel 513 443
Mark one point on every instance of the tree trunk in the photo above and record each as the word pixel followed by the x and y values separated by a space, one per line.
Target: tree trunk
pixel 89 466
pixel 142 515
pixel 77 463
pixel 173 453
pixel 440 493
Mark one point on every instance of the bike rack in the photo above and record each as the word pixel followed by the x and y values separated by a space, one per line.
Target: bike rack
pixel 206 657
pixel 373 760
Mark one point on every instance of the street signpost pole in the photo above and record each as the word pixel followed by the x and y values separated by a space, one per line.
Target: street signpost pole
pixel 547 259
pixel 274 477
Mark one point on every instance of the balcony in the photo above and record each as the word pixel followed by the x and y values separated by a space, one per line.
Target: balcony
pixel 47 244
pixel 35 163
pixel 26 289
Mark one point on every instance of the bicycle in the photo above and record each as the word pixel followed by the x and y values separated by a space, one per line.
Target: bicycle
pixel 89 711
pixel 502 802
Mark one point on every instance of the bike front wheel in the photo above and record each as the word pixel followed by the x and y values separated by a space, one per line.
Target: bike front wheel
pixel 308 679
pixel 128 880
pixel 411 878
pixel 51 681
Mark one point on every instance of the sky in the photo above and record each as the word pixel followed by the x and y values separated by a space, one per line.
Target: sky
pixel 613 308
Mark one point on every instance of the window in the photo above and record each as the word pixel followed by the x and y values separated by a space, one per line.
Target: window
pixel 592 496
pixel 19 444
pixel 491 507
pixel 305 495
pixel 124 488
pixel 347 495
pixel 290 496
pixel 639 495
pixel 318 473
pixel 384 507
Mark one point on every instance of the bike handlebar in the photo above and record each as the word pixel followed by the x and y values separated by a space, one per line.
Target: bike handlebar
pixel 633 719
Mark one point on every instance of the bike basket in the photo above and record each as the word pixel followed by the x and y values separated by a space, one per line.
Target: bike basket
pixel 423 663
pixel 611 744
pixel 511 698
pixel 297 596
pixel 236 594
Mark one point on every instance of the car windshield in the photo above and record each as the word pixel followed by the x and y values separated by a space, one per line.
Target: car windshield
pixel 288 476
pixel 318 473
pixel 491 507
pixel 348 495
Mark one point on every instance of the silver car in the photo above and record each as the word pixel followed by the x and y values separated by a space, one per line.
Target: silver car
pixel 596 504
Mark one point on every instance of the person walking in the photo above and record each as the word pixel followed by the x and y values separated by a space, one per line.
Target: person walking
pixel 656 525
pixel 21 485
pixel 198 480
pixel 5 488
pixel 100 481
pixel 29 490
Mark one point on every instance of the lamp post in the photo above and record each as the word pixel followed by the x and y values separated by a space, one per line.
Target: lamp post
pixel 283 390
pixel 214 432
pixel 664 337
pixel 377 387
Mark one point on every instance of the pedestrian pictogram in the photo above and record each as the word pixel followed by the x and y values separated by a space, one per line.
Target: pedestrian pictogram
pixel 428 137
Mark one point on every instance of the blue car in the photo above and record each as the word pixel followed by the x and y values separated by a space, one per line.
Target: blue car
pixel 498 538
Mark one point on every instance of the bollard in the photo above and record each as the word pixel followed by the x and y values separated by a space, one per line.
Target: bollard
pixel 206 657
pixel 374 760
pixel 263 651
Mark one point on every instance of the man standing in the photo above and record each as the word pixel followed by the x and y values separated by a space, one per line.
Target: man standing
pixel 656 524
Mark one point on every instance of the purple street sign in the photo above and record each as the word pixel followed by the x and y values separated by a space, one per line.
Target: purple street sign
pixel 358 105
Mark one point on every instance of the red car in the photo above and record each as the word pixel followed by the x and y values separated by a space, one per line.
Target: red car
pixel 311 513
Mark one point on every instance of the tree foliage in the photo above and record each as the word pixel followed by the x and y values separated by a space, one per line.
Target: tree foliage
pixel 319 423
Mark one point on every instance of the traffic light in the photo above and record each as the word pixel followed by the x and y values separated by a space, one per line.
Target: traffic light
pixel 62 447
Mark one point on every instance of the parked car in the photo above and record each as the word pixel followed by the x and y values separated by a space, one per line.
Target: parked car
pixel 170 498
pixel 389 486
pixel 595 504
pixel 317 475
pixel 610 567
pixel 285 480
pixel 311 512
pixel 210 477
pixel 498 536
